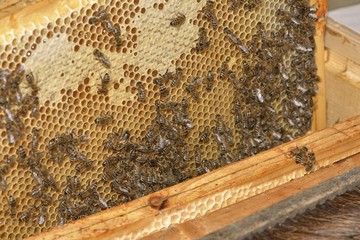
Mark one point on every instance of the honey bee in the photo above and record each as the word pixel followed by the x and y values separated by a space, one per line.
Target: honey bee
pixel 204 136
pixel 141 91
pixel 164 92
pixel 34 107
pixel 236 41
pixel 18 123
pixel 118 41
pixel 303 157
pixel 21 159
pixel 102 15
pixel 151 134
pixel 32 83
pixel 110 174
pixel 104 120
pixel 159 81
pixel 191 88
pixel 53 143
pixel 101 58
pixel 118 188
pixel 14 93
pixel 3 183
pixel 10 116
pixel 84 165
pixel 25 216
pixel 234 5
pixel 233 79
pixel 209 4
pixel 244 49
pixel 259 95
pixel 198 159
pixel 63 210
pixel 108 26
pixel 72 153
pixel 3 99
pixel 103 203
pixel 224 70
pixel 177 78
pixel 94 20
pixel 311 156
pixel 166 77
pixel 4 169
pixel 209 81
pixel 231 36
pixel 125 137
pixel 111 142
pixel 12 205
pixel 42 216
pixel 184 104
pixel 46 200
pixel 72 185
pixel 38 190
pixel 103 87
pixel 49 181
pixel 13 132
pixel 116 31
pixel 312 14
pixel 9 162
pixel 209 14
pixel 4 75
pixel 310 161
pixel 202 42
pixel 192 91
pixel 117 35
pixel 252 4
pixel 178 20
pixel 35 139
pixel 99 17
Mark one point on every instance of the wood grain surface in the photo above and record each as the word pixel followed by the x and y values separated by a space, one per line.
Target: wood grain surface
pixel 243 219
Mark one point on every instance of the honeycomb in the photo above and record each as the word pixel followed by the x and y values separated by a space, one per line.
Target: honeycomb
pixel 185 96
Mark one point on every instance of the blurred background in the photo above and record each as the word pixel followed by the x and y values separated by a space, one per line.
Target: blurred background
pixel 333 4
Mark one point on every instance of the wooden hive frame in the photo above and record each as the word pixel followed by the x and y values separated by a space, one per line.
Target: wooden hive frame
pixel 216 190
pixel 342 71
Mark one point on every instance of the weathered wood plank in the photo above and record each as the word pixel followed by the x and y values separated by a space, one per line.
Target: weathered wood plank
pixel 219 219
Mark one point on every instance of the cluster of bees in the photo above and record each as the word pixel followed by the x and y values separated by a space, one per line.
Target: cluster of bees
pixel 44 181
pixel 303 157
pixel 14 104
pixel 224 137
pixel 272 104
pixel 263 113
pixel 103 18
pixel 77 201
pixel 159 160
pixel 66 145
pixel 173 78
